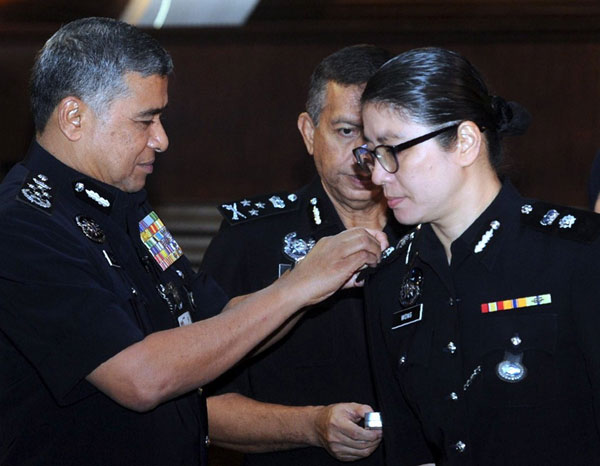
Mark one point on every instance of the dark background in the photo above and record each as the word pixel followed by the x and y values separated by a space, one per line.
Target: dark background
pixel 236 92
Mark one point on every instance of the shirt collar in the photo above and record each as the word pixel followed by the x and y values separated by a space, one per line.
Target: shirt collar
pixel 103 198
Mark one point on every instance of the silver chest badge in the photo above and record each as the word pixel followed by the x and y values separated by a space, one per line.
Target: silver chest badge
pixel 296 249
pixel 410 289
pixel 511 368
pixel 90 229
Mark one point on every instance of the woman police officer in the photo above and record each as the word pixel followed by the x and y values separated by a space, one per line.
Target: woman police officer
pixel 484 321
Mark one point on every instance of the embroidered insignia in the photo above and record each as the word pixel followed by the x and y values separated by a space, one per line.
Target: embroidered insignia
pixel 567 221
pixel 259 205
pixel 36 191
pixel 296 249
pixel 526 209
pixel 292 197
pixel 159 241
pixel 277 202
pixel 253 212
pixel 518 303
pixel 90 229
pixel 245 202
pixel 487 236
pixel 549 217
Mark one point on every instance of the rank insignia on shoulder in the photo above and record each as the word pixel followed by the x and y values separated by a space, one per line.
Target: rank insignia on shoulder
pixel 565 222
pixel 244 210
pixel 36 191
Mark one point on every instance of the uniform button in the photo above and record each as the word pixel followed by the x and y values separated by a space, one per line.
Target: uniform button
pixel 453 301
pixel 451 347
pixel 206 442
pixel 180 273
pixel 516 340
pixel 133 291
pixel 453 396
pixel 402 360
pixel 460 446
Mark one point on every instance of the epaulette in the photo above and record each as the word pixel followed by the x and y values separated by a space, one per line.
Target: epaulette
pixel 564 222
pixel 390 254
pixel 244 210
pixel 36 191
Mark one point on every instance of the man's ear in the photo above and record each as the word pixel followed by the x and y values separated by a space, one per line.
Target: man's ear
pixel 306 127
pixel 69 113
pixel 468 144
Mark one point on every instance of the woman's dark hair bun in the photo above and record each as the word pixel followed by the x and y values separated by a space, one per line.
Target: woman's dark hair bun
pixel 512 119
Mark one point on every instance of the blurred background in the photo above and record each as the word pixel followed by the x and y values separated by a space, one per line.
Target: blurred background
pixel 241 76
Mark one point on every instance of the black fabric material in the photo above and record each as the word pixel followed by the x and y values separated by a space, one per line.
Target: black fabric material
pixel 551 416
pixel 64 310
pixel 323 360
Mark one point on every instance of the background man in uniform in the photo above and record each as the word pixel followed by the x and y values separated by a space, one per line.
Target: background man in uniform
pixel 314 387
pixel 100 359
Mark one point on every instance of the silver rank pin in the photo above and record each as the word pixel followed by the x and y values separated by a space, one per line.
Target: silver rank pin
pixel 549 217
pixel 487 236
pixel 315 211
pixel 93 195
pixel 296 249
pixel 38 192
pixel 567 221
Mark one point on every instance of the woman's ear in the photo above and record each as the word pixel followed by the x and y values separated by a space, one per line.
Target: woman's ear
pixel 469 143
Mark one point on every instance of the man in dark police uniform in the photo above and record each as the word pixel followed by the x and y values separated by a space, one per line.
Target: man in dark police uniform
pixel 101 357
pixel 302 401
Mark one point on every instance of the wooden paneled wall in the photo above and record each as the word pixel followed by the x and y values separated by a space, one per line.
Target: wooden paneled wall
pixel 236 93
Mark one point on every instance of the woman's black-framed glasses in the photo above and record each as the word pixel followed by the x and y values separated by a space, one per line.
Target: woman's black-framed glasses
pixel 387 156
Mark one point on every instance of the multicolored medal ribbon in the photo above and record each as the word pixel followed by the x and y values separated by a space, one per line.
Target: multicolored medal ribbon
pixel 159 241
pixel 517 303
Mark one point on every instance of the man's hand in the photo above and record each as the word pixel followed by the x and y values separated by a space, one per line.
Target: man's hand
pixel 341 435
pixel 335 261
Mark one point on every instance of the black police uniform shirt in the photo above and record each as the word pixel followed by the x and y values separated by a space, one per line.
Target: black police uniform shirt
pixel 497 355
pixel 323 359
pixel 77 286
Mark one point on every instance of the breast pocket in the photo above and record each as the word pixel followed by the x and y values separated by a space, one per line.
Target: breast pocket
pixel 518 352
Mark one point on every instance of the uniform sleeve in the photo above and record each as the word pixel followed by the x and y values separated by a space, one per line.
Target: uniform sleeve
pixel 55 309
pixel 208 295
pixel 225 261
pixel 403 440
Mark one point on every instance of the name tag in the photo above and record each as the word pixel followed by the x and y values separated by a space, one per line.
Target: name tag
pixel 184 319
pixel 407 316
pixel 284 268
